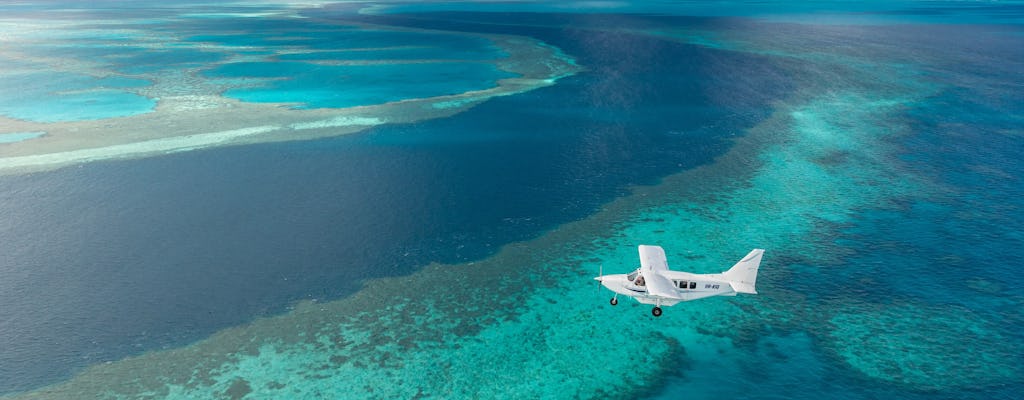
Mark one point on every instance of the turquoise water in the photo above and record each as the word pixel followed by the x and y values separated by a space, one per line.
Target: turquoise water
pixel 19 136
pixel 320 86
pixel 402 65
pixel 452 258
pixel 125 62
pixel 55 96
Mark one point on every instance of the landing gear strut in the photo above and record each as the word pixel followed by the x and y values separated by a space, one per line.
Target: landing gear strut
pixel 615 301
pixel 656 311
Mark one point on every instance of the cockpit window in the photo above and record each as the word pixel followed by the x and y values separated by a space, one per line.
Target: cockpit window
pixel 632 277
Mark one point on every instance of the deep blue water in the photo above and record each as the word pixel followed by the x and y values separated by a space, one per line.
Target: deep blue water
pixel 128 256
pixel 978 220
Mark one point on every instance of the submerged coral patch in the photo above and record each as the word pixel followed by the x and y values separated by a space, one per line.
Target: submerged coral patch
pixel 925 348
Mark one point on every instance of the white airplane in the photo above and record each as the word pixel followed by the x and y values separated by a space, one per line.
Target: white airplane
pixel 653 283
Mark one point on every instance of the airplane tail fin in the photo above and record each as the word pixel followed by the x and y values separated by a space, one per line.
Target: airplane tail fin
pixel 743 275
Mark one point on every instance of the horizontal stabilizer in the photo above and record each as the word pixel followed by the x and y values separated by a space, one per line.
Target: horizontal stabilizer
pixel 743 275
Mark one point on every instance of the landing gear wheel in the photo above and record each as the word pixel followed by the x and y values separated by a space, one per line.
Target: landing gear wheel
pixel 614 301
pixel 656 311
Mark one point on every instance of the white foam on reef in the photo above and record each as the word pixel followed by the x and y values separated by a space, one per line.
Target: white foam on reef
pixel 165 145
pixel 339 121
pixel 232 15
pixel 457 103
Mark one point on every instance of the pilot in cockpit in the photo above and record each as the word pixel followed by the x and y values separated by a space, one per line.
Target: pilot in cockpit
pixel 636 278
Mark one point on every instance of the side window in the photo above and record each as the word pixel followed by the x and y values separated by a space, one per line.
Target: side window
pixel 681 284
pixel 693 285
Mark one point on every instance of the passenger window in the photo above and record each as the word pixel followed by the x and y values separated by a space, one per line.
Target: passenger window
pixel 682 284
pixel 693 285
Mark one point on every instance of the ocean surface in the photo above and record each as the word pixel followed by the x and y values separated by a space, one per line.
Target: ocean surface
pixel 874 149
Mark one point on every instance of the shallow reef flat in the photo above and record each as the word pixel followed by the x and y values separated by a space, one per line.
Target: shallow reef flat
pixel 115 88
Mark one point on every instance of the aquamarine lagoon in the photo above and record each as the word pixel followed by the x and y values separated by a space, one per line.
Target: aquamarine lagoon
pixel 109 87
pixel 318 86
pixel 410 199
pixel 45 96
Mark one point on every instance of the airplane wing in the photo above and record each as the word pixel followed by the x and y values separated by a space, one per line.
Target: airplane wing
pixel 652 258
pixel 652 262
pixel 661 286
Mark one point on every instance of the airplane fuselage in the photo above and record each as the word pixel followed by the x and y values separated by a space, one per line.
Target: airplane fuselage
pixel 688 286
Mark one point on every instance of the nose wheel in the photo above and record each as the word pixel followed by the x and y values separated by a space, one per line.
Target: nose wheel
pixel 656 311
pixel 615 301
